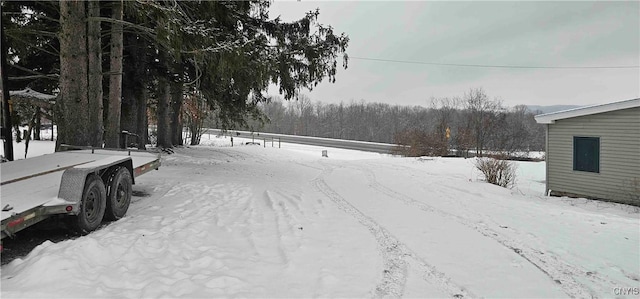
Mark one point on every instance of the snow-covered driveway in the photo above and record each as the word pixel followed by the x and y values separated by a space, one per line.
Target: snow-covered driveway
pixel 250 221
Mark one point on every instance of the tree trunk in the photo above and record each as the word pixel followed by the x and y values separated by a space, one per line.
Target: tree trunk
pixel 176 107
pixel 128 118
pixel 134 82
pixel 36 127
pixel 128 114
pixel 72 104
pixel 53 126
pixel 142 124
pixel 94 45
pixel 197 120
pixel 164 97
pixel 27 136
pixel 6 109
pixel 115 80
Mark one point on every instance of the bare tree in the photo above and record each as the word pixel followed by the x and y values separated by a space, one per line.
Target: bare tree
pixel 195 111
pixel 304 108
pixel 482 115
pixel 513 134
pixel 445 110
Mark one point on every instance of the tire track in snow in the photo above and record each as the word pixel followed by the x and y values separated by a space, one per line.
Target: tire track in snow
pixel 559 271
pixel 574 271
pixel 279 227
pixel 393 251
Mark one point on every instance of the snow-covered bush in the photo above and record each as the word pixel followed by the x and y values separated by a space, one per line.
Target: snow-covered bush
pixel 497 172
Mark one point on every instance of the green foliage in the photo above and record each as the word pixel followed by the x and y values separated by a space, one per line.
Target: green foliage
pixel 227 51
pixel 31 28
pixel 234 51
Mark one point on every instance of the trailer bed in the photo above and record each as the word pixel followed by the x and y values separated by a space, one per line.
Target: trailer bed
pixel 31 183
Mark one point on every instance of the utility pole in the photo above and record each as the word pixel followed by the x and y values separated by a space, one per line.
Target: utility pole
pixel 6 110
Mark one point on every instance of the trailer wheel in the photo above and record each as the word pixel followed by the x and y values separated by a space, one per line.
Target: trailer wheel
pixel 92 206
pixel 119 196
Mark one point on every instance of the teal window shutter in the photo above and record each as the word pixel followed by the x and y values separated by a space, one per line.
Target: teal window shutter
pixel 586 154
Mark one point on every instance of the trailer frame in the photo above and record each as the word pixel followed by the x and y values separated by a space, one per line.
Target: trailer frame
pixel 73 175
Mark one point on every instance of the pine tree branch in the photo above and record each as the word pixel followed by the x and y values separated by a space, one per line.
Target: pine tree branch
pixel 19 31
pixel 20 78
pixel 144 29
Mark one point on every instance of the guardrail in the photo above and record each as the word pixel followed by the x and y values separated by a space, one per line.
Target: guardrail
pixel 264 141
pixel 383 148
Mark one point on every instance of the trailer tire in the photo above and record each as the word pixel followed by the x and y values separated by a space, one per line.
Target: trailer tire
pixel 119 196
pixel 92 206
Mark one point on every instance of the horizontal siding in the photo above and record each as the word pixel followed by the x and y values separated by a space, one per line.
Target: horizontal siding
pixel 606 152
pixel 619 133
pixel 607 144
pixel 600 132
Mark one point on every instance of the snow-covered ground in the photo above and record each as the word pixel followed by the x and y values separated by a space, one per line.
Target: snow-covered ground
pixel 36 147
pixel 250 221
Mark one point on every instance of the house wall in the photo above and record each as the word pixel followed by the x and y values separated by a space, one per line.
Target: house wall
pixel 619 177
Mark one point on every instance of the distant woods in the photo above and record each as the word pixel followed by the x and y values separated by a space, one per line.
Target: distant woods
pixel 470 123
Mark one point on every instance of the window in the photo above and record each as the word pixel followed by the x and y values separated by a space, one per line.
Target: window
pixel 586 154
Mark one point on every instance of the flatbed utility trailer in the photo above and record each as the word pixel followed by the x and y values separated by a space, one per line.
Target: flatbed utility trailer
pixel 85 185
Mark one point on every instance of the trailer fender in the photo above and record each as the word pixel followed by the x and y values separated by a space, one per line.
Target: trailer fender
pixel 73 179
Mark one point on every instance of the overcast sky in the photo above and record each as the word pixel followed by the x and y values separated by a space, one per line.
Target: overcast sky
pixel 556 34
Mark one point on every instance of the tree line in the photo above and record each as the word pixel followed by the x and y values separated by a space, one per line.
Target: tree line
pixel 472 121
pixel 119 65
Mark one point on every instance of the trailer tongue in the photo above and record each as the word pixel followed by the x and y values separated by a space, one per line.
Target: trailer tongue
pixel 85 185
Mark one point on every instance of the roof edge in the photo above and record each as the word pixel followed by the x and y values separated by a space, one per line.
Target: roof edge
pixel 550 118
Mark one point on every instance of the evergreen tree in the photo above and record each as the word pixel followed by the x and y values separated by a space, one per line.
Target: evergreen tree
pixel 227 52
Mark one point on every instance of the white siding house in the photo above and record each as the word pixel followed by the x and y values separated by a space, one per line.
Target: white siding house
pixel 594 152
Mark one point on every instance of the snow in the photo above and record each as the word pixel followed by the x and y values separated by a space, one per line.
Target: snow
pixel 36 147
pixel 256 221
pixel 30 93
